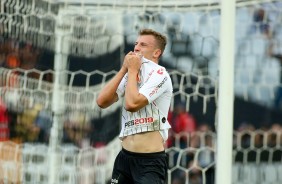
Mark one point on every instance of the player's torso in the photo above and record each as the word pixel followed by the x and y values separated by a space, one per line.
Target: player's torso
pixel 153 116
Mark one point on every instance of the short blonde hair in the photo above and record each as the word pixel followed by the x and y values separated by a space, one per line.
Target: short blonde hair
pixel 161 39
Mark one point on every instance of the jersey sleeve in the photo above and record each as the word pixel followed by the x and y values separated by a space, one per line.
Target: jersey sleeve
pixel 155 86
pixel 122 85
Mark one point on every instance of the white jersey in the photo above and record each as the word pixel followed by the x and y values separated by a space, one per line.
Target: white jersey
pixel 155 84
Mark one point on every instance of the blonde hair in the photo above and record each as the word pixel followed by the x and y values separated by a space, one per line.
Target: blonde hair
pixel 161 39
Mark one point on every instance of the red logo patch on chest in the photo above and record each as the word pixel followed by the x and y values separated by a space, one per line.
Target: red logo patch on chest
pixel 160 71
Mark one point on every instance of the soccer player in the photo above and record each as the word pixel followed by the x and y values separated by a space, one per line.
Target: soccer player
pixel 147 91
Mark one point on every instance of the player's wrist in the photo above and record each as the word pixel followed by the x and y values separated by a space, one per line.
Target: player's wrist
pixel 123 70
pixel 133 71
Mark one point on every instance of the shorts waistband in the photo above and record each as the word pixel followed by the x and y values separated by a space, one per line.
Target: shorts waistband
pixel 135 154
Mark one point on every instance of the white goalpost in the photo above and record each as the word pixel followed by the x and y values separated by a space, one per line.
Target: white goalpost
pixel 216 51
pixel 226 93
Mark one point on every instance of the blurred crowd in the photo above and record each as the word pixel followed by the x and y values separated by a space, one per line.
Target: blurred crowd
pixel 23 125
pixel 16 54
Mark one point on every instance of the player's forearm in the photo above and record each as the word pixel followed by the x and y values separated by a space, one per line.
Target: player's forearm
pixel 132 96
pixel 107 95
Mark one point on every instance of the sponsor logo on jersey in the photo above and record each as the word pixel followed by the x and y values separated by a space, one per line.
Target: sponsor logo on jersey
pixel 139 121
pixel 160 71
pixel 149 75
pixel 158 87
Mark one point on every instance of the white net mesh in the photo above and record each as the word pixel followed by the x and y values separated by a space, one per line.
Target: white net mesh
pixel 79 29
pixel 88 30
pixel 257 157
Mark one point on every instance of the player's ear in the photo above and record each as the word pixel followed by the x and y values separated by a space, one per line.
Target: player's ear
pixel 157 53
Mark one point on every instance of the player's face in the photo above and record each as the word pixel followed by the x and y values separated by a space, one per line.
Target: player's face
pixel 146 45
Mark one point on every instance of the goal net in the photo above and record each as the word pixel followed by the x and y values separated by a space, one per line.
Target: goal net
pixel 57 54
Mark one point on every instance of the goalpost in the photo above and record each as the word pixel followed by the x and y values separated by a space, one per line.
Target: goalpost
pixel 226 93
pixel 91 29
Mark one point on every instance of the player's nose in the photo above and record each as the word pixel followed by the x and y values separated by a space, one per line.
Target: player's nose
pixel 136 48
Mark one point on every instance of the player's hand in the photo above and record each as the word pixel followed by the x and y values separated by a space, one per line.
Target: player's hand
pixel 124 64
pixel 133 61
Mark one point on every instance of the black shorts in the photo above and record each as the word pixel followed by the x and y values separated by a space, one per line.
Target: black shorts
pixel 140 168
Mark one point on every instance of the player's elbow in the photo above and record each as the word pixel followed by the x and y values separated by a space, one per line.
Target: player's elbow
pixel 105 101
pixel 131 107
pixel 101 103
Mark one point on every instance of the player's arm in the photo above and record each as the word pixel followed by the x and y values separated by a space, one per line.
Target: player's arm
pixel 108 94
pixel 133 99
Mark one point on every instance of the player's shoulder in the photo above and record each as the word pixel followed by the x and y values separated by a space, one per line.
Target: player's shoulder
pixel 156 68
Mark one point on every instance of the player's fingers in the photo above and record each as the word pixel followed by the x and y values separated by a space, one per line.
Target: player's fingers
pixel 139 54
